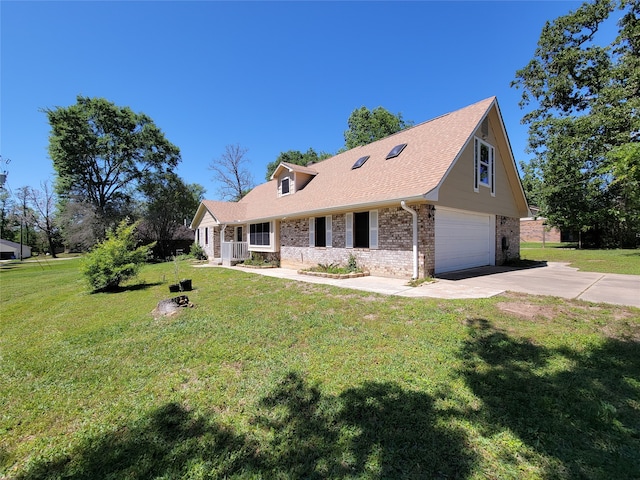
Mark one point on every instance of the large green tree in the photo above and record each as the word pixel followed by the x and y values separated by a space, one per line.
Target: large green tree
pixel 366 126
pixel 169 202
pixel 296 157
pixel 584 121
pixel 101 152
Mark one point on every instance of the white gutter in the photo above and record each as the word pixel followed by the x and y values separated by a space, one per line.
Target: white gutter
pixel 414 214
pixel 331 210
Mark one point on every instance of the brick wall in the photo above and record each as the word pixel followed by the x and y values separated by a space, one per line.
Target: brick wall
pixel 394 257
pixel 509 229
pixel 536 231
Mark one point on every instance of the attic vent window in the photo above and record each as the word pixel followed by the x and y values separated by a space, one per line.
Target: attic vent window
pixel 360 162
pixel 395 151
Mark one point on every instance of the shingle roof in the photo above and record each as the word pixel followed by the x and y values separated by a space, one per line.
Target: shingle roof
pixel 225 212
pixel 294 168
pixel 432 147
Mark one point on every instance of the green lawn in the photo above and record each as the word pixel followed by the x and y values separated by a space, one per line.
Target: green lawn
pixel 626 261
pixel 266 378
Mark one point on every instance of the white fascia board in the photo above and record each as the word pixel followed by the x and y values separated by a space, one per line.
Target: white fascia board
pixel 350 207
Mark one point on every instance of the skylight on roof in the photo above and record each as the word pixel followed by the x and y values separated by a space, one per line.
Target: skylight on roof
pixel 360 162
pixel 395 151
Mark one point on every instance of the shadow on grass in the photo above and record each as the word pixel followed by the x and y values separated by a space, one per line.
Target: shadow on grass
pixel 128 288
pixel 10 265
pixel 375 431
pixel 578 408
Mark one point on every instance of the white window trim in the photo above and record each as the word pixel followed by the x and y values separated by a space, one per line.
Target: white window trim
pixel 491 168
pixel 288 179
pixel 373 230
pixel 328 235
pixel 264 248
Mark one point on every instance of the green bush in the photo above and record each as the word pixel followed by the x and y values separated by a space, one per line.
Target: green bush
pixel 197 252
pixel 262 259
pixel 115 259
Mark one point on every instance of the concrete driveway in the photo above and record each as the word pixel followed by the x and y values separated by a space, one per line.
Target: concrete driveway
pixel 555 279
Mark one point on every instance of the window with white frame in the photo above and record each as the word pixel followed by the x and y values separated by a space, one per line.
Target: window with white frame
pixel 320 231
pixel 285 186
pixel 362 229
pixel 260 234
pixel 484 166
pixel 239 234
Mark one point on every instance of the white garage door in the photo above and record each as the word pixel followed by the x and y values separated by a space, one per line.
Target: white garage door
pixel 463 240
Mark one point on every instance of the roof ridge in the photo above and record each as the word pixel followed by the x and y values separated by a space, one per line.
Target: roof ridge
pixel 492 98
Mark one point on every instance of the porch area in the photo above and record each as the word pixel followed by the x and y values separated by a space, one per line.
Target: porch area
pixel 233 252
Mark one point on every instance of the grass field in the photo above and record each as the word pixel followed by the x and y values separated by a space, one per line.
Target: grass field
pixel 266 378
pixel 626 261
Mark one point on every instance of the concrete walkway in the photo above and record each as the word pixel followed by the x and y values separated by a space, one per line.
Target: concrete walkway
pixel 555 279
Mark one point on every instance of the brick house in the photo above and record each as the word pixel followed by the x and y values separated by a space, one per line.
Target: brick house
pixel 440 196
pixel 535 229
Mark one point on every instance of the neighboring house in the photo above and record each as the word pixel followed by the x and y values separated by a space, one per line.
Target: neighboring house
pixel 440 196
pixel 535 229
pixel 9 250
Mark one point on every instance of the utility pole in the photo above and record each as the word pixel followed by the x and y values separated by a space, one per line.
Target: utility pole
pixel 23 219
pixel 3 179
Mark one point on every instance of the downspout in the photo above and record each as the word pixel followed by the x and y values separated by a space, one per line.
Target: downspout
pixel 224 227
pixel 414 214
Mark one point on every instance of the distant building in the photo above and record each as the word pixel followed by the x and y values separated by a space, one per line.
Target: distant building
pixel 535 229
pixel 9 250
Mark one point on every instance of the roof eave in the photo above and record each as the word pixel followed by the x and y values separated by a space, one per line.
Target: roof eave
pixel 202 209
pixel 340 208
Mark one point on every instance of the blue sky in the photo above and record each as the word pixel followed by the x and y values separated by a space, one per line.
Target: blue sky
pixel 270 76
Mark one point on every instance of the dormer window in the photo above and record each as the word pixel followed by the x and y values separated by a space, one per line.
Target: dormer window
pixel 291 178
pixel 285 186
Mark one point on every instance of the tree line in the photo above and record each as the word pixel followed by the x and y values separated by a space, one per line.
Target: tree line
pixel 584 123
pixel 112 163
pixel 364 126
pixel 583 101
